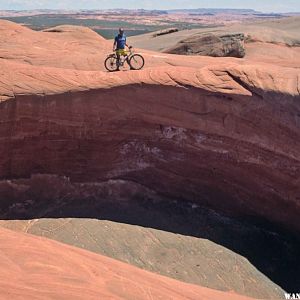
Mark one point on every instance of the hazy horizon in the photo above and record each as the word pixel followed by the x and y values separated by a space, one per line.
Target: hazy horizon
pixel 276 6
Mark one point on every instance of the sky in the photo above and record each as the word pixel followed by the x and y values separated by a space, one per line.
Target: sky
pixel 260 5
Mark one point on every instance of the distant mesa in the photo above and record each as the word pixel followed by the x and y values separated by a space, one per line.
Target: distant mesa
pixel 215 11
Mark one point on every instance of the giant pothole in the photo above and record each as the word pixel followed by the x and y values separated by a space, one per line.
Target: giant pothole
pixel 132 223
pixel 194 187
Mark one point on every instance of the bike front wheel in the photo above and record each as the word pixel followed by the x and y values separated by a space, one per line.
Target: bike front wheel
pixel 111 63
pixel 136 62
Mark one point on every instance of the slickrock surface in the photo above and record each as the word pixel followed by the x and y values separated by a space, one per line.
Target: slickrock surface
pixel 64 46
pixel 37 268
pixel 273 41
pixel 191 259
pixel 221 133
pixel 218 131
pixel 216 45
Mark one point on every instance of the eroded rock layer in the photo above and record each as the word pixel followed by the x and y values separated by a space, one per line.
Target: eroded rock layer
pixel 233 145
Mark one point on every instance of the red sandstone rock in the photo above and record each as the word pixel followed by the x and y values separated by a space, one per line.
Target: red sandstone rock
pixel 216 45
pixel 211 131
pixel 67 47
pixel 37 268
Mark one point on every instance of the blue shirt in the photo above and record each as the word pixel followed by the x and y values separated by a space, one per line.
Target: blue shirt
pixel 121 41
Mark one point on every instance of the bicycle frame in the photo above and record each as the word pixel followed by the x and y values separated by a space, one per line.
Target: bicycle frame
pixel 123 58
pixel 119 60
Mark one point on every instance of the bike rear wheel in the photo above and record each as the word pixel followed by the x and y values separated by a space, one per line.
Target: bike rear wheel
pixel 136 62
pixel 111 63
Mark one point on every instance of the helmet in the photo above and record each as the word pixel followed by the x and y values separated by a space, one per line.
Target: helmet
pixel 121 30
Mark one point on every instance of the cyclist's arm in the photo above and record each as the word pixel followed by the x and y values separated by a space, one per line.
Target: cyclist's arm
pixel 126 44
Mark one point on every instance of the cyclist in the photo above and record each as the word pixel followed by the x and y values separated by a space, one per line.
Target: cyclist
pixel 119 46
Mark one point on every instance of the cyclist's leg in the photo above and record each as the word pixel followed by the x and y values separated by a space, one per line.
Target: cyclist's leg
pixel 127 57
pixel 119 53
pixel 118 60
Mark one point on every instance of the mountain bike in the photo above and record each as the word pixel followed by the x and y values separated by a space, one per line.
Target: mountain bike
pixel 135 61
